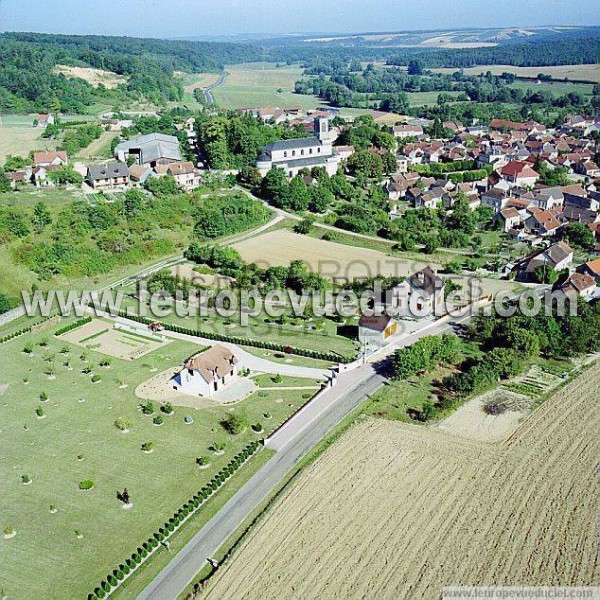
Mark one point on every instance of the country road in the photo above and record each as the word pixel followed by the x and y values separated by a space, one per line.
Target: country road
pixel 292 443
pixel 210 99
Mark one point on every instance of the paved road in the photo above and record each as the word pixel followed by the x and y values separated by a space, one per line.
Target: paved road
pixel 210 99
pixel 292 443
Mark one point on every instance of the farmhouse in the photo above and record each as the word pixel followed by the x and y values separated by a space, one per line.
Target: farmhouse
pixel 46 159
pixel 152 149
pixel 294 155
pixel 43 120
pixel 580 284
pixel 114 174
pixel 184 173
pixel 207 373
pixel 376 330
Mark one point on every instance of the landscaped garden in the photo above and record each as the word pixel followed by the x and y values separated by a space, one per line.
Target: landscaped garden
pixel 78 447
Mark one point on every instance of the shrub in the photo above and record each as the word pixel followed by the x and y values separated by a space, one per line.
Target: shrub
pixel 234 424
pixel 167 408
pixel 257 427
pixel 147 446
pixel 39 411
pixel 25 479
pixel 123 424
pixel 147 408
pixel 158 420
pixel 277 379
pixel 86 484
pixel 43 397
pixel 28 348
pixel 96 378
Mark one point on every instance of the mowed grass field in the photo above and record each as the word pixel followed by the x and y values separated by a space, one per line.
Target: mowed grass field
pixel 257 84
pixel 46 554
pixel 582 72
pixel 399 511
pixel 18 136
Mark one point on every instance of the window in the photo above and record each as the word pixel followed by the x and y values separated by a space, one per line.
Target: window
pixel 293 153
pixel 319 150
pixel 302 152
pixel 310 151
pixel 285 154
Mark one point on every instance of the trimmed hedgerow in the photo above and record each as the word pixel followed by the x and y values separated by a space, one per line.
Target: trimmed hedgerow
pixel 219 337
pixel 72 326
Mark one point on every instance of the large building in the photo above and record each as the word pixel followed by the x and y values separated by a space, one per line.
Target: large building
pixel 150 150
pixel 305 153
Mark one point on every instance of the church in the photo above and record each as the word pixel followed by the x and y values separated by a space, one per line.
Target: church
pixel 294 155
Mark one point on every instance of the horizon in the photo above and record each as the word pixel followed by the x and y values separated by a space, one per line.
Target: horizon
pixel 233 18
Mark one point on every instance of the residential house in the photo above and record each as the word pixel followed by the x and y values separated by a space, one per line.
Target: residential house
pixel 55 158
pixel 558 256
pixel 588 168
pixel 139 174
pixel 107 176
pixel 419 295
pixel 496 198
pixel 579 284
pixel 510 217
pixel 519 173
pixel 406 131
pixel 17 177
pixel 548 198
pixel 376 330
pixel 591 268
pixel 207 373
pixel 43 120
pixel 542 222
pixel 186 176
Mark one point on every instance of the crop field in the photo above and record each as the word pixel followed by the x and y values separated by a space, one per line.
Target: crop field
pixel 399 511
pixel 258 84
pixel 340 262
pixel 577 72
pixel 77 439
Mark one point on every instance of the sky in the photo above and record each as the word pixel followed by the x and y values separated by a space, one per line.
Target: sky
pixel 184 18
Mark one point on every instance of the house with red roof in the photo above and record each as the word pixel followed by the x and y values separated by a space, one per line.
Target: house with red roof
pixel 519 173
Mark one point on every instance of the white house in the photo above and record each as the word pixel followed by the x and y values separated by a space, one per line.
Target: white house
pixel 207 373
pixel 305 153
pixel 419 295
pixel 376 330
pixel 519 173
pixel 53 158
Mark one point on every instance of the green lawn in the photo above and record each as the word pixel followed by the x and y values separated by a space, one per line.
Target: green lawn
pixel 318 334
pixel 46 554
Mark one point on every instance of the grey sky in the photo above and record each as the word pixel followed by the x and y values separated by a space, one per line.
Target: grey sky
pixel 178 18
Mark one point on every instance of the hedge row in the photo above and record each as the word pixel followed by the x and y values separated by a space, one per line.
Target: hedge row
pixel 72 326
pixel 218 337
pixel 16 334
pixel 145 550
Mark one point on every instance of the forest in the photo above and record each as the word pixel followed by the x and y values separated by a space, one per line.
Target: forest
pixel 28 81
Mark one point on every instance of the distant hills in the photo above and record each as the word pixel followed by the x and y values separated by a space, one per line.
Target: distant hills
pixel 434 39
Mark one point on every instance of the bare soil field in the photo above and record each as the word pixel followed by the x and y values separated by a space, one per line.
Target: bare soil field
pixel 94 77
pixel 577 72
pixel 399 511
pixel 471 420
pixel 102 337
